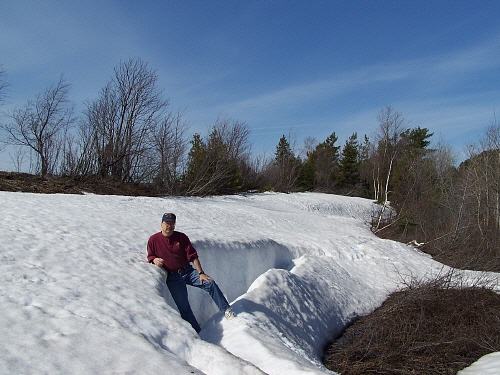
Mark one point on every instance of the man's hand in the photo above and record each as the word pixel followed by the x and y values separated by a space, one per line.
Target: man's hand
pixel 204 277
pixel 158 262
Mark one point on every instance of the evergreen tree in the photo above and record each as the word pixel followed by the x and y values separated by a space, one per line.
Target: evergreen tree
pixel 417 138
pixel 216 166
pixel 364 150
pixel 216 149
pixel 349 163
pixel 196 158
pixel 325 159
pixel 223 164
pixel 307 172
pixel 330 144
pixel 286 167
pixel 283 151
pixel 365 167
pixel 413 175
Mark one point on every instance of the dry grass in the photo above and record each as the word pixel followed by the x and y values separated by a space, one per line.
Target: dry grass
pixel 437 327
pixel 23 182
pixel 466 250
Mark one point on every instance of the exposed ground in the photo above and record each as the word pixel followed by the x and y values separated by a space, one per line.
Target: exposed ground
pixel 24 182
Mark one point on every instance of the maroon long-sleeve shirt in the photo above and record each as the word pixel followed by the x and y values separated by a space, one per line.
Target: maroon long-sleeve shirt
pixel 176 250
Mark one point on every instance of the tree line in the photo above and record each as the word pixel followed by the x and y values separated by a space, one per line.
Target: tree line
pixel 129 133
pixel 451 212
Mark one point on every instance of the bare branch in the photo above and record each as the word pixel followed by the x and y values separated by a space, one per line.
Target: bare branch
pixel 38 124
pixel 122 118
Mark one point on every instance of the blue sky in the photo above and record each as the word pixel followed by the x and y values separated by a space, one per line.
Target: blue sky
pixel 305 68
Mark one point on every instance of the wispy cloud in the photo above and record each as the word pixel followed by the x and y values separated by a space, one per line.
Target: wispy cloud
pixel 454 120
pixel 439 70
pixel 41 40
pixel 482 56
pixel 331 86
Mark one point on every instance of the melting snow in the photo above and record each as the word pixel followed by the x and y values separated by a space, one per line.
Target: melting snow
pixel 77 295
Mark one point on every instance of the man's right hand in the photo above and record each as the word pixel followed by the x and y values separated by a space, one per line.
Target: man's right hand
pixel 158 262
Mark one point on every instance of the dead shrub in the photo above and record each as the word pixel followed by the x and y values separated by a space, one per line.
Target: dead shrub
pixel 436 327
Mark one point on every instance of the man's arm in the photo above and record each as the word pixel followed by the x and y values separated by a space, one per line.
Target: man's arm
pixel 192 256
pixel 199 268
pixel 152 255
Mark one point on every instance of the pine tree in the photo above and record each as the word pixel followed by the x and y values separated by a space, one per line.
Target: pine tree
pixel 417 138
pixel 364 150
pixel 219 164
pixel 365 167
pixel 283 151
pixel 223 164
pixel 196 158
pixel 307 172
pixel 330 144
pixel 325 159
pixel 349 162
pixel 286 167
pixel 414 144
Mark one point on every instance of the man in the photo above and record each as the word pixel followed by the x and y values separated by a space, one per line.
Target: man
pixel 172 251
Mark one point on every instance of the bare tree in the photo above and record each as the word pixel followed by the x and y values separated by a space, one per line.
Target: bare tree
pixel 285 174
pixel 121 118
pixel 72 156
pixel 492 143
pixel 17 158
pixel 480 197
pixel 169 145
pixel 310 144
pixel 390 127
pixel 40 124
pixel 3 86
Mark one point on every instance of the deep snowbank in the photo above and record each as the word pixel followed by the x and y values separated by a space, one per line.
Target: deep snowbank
pixel 77 295
pixel 234 265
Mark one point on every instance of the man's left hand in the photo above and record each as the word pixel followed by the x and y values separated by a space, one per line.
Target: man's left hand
pixel 204 277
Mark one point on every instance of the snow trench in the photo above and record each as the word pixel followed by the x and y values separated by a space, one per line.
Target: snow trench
pixel 234 266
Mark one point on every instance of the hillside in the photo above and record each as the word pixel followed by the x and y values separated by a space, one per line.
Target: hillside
pixel 79 297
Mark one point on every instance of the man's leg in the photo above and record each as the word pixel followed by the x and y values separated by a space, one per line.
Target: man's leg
pixel 211 287
pixel 178 290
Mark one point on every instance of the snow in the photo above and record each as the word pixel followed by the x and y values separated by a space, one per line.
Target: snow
pixel 77 295
pixel 486 365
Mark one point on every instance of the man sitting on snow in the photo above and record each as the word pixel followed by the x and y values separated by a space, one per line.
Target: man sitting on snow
pixel 172 251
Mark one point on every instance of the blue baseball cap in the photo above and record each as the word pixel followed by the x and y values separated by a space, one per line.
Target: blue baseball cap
pixel 168 217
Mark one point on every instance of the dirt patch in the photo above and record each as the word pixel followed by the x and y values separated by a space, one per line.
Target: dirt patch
pixel 421 330
pixel 23 182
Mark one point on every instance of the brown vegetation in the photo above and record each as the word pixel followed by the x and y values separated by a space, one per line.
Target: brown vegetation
pixel 454 213
pixel 432 328
pixel 24 182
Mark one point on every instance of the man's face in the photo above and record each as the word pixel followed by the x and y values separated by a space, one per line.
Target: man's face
pixel 167 227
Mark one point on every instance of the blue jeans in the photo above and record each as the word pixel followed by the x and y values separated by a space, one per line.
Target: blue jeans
pixel 176 283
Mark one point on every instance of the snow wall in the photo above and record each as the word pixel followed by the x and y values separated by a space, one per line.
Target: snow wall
pixel 234 266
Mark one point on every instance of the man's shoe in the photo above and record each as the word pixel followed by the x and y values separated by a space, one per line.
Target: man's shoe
pixel 229 314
